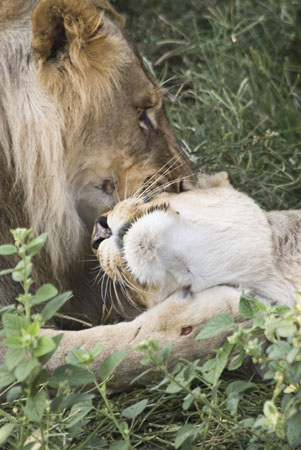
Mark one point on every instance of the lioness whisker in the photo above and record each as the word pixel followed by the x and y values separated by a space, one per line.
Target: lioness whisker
pixel 125 292
pixel 102 288
pixel 99 277
pixel 124 286
pixel 130 285
pixel 108 281
pixel 120 305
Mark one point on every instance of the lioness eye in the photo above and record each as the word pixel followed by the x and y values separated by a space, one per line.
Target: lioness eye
pixel 144 121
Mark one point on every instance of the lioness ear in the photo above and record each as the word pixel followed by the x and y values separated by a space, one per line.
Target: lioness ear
pixel 58 23
pixel 220 179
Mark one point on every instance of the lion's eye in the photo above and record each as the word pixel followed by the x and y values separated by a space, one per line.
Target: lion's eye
pixel 144 121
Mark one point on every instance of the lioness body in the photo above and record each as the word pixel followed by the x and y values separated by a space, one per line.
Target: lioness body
pixel 177 253
pixel 81 125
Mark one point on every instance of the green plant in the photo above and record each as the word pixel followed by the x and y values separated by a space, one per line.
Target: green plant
pixel 278 355
pixel 37 419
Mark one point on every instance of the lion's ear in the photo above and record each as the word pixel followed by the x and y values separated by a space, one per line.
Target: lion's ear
pixel 59 23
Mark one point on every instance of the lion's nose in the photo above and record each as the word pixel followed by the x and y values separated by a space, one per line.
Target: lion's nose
pixel 101 232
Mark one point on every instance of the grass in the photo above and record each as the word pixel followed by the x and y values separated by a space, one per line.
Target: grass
pixel 231 71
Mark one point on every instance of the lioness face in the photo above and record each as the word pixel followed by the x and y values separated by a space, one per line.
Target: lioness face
pixel 117 134
pixel 191 241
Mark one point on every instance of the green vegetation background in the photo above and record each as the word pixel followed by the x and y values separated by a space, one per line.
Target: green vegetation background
pixel 231 70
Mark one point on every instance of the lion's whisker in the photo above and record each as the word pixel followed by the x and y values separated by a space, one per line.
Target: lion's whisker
pixel 141 188
pixel 168 171
pixel 168 166
pixel 126 185
pixel 158 171
pixel 164 186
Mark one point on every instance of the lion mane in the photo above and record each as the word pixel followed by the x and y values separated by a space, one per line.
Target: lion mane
pixel 72 90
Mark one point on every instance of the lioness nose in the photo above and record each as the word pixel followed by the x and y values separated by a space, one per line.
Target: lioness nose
pixel 101 232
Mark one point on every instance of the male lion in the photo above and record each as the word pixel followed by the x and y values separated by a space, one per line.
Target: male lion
pixel 187 257
pixel 82 124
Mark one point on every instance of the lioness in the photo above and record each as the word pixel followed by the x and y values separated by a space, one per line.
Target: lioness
pixel 187 257
pixel 82 124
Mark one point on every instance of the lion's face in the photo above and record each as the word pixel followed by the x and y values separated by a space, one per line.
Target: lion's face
pixel 117 133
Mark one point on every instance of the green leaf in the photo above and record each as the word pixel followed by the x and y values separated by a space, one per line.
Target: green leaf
pixel 236 387
pixel 232 404
pixel 40 378
pixel 5 432
pixel 237 361
pixel 133 411
pixel 78 412
pixel 73 375
pixel 19 274
pixel 173 388
pixel 25 368
pixel 79 357
pixel 294 430
pixel 6 377
pixel 33 329
pixel 15 342
pixel 110 363
pixel 249 307
pixel 6 272
pixel 190 398
pixel 13 324
pixel 270 411
pixel 46 357
pixel 7 249
pixel 216 325
pixel 44 293
pixel 95 351
pixel 13 393
pixel 36 245
pixel 213 368
pixel 185 432
pixel 292 355
pixel 35 406
pixel 7 309
pixel 45 345
pixel 165 351
pixel 13 356
pixel 66 401
pixel 54 305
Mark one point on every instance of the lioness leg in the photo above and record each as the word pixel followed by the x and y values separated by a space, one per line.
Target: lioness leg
pixel 177 320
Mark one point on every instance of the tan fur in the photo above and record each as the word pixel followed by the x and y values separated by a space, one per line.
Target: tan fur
pixel 219 236
pixel 164 323
pixel 72 89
